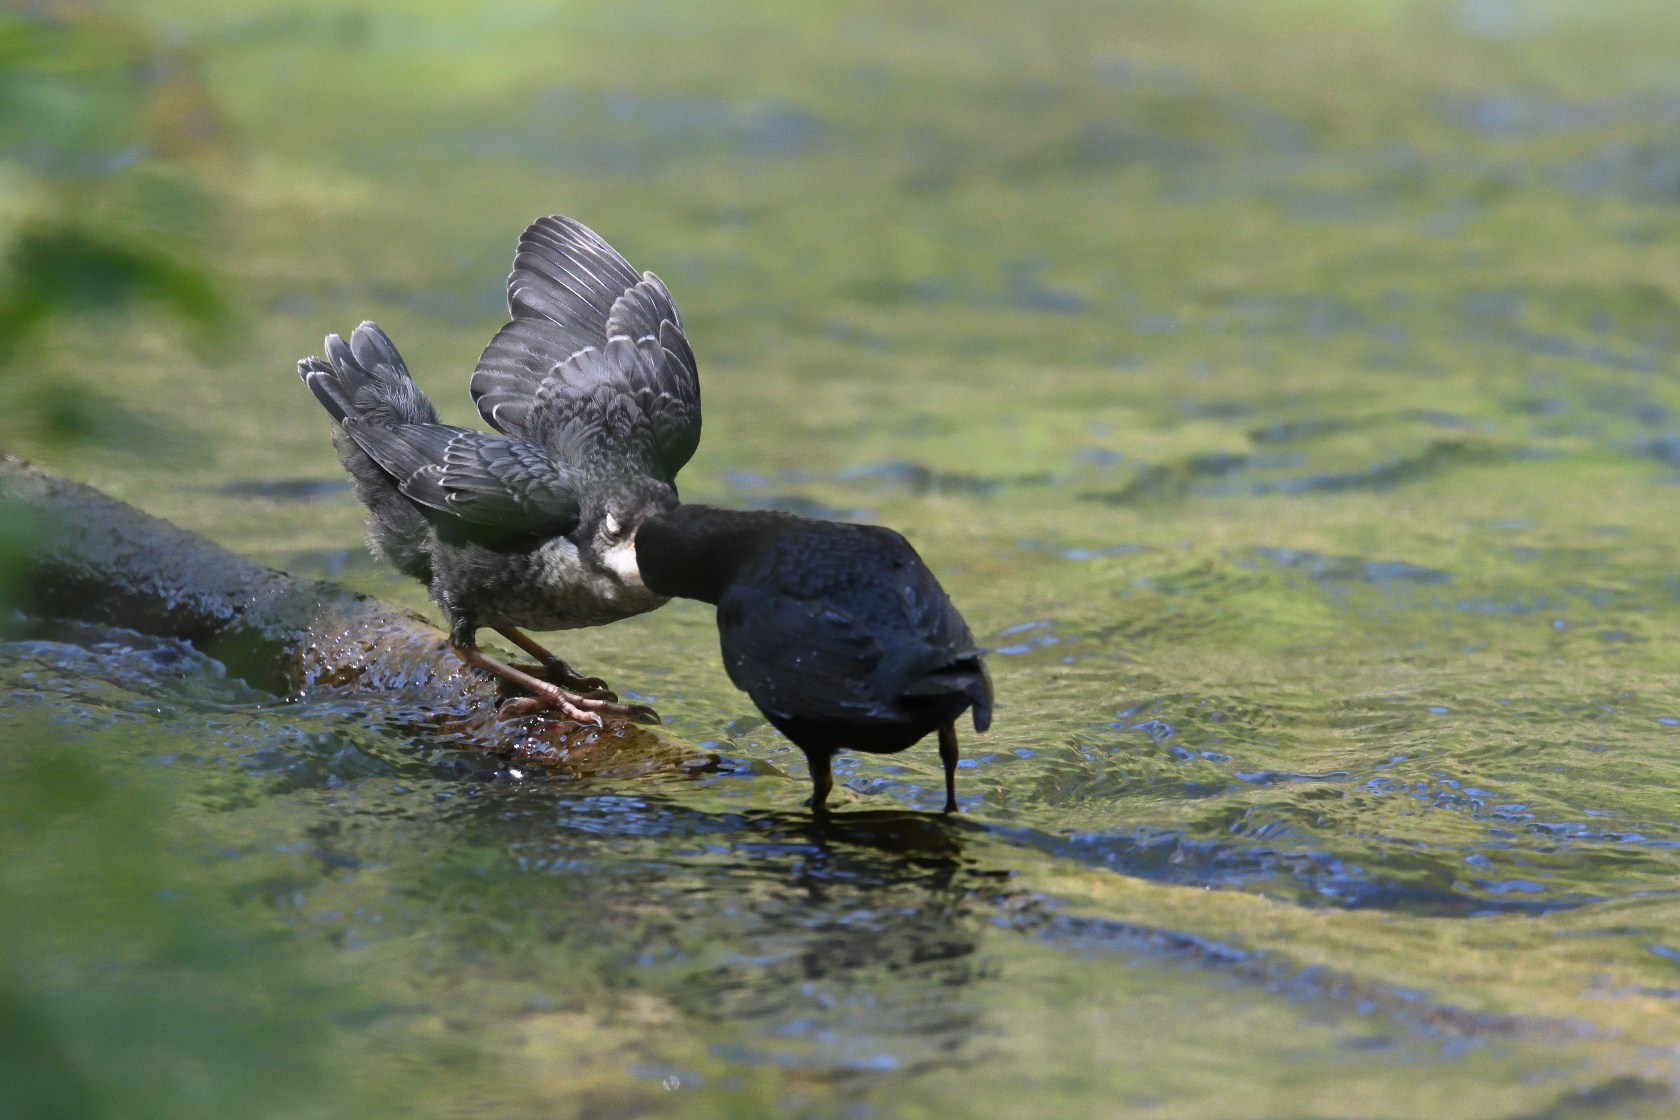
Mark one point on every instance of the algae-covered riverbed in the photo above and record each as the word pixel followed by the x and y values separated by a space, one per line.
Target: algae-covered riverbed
pixel 1287 394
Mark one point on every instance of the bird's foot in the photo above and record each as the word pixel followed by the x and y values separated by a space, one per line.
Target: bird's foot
pixel 557 672
pixel 543 695
pixel 583 709
pixel 553 669
pixel 593 688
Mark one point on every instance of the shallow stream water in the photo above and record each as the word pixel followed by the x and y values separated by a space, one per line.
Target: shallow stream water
pixel 1285 393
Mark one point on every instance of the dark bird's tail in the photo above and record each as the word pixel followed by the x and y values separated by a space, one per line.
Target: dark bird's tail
pixel 959 682
pixel 365 379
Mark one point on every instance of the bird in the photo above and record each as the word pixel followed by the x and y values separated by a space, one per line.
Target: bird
pixel 594 397
pixel 838 632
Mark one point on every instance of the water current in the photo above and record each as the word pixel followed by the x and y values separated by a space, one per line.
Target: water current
pixel 1285 393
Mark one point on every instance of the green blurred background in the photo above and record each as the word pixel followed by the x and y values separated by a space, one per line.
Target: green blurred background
pixel 1286 391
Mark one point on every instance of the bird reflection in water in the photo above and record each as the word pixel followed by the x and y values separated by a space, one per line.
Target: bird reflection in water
pixel 840 945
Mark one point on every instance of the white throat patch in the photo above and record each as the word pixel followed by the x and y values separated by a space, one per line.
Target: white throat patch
pixel 620 559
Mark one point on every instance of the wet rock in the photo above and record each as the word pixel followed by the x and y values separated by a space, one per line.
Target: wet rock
pixel 91 558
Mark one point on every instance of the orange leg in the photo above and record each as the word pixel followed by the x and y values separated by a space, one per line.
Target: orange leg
pixel 584 709
pixel 552 666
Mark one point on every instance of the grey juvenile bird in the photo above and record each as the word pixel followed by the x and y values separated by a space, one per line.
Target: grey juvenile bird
pixel 595 394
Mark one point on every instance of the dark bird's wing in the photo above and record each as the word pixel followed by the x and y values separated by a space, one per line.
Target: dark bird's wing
pixel 594 363
pixel 801 658
pixel 935 657
pixel 504 484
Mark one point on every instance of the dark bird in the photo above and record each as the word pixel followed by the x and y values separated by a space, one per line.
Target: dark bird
pixel 839 633
pixel 595 394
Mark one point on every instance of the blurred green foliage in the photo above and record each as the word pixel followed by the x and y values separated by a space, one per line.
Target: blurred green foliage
pixel 67 269
pixel 93 118
pixel 115 1000
pixel 69 104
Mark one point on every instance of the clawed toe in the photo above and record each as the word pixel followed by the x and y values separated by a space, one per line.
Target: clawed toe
pixel 584 688
pixel 583 709
pixel 520 706
pixel 561 674
pixel 636 713
pixel 641 713
pixel 572 707
pixel 588 705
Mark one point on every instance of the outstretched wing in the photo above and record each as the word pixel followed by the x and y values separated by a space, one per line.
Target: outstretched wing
pixel 505 484
pixel 594 362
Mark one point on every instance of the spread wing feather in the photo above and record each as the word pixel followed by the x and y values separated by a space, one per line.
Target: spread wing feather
pixel 506 484
pixel 586 329
pixel 627 402
pixel 638 313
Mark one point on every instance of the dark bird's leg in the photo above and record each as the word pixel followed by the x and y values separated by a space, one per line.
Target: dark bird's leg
pixel 555 670
pixel 948 755
pixel 822 781
pixel 584 709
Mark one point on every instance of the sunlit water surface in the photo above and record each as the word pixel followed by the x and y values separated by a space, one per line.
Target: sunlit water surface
pixel 1287 398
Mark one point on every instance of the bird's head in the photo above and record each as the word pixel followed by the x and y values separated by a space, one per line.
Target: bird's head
pixel 611 514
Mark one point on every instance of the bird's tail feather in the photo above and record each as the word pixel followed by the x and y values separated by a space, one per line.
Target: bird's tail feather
pixel 366 379
pixel 964 675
